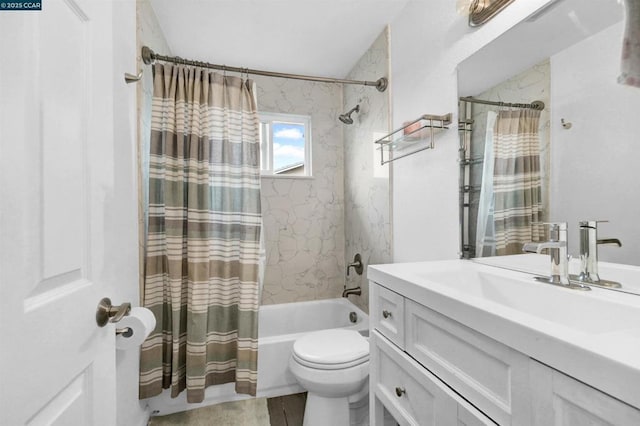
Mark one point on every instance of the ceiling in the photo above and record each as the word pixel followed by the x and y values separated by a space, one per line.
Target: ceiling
pixel 313 37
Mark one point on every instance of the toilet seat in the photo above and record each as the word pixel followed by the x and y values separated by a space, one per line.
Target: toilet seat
pixel 331 349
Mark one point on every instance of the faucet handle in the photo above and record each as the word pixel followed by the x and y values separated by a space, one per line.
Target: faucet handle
pixel 356 264
pixel 557 230
pixel 559 225
pixel 591 223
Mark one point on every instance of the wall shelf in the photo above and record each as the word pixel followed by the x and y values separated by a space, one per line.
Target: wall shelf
pixel 412 137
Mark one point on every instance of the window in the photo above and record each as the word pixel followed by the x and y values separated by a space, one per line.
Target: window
pixel 285 144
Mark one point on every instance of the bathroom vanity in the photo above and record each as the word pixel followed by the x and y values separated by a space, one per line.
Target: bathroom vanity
pixel 461 343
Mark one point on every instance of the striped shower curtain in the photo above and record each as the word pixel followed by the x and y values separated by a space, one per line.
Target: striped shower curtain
pixel 201 269
pixel 516 180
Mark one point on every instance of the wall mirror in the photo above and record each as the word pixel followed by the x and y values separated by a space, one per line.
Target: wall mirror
pixel 567 55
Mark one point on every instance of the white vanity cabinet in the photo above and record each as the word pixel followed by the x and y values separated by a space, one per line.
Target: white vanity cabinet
pixel 428 369
pixel 558 399
pixel 408 391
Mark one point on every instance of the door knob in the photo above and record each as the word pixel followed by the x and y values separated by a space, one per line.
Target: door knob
pixel 106 312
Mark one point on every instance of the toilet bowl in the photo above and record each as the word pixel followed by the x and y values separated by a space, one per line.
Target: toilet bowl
pixel 333 366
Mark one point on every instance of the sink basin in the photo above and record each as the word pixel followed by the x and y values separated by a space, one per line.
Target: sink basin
pixel 588 312
pixel 627 275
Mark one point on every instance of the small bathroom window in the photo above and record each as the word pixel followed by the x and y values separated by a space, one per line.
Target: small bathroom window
pixel 285 145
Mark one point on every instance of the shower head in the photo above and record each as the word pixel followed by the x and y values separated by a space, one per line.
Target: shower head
pixel 346 117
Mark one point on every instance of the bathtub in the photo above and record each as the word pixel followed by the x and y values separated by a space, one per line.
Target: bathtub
pixel 279 326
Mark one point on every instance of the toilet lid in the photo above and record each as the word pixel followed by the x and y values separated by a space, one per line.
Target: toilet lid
pixel 331 349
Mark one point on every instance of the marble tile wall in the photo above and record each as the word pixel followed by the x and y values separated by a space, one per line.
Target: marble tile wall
pixel 526 87
pixel 367 188
pixel 304 217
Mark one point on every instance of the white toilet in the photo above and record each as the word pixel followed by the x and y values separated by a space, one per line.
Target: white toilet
pixel 333 366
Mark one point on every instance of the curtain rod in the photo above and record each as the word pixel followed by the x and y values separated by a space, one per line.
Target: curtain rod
pixel 149 56
pixel 537 105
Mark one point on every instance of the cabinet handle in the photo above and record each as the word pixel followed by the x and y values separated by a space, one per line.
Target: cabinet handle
pixel 386 313
pixel 400 391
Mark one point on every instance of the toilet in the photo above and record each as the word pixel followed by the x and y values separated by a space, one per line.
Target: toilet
pixel 333 366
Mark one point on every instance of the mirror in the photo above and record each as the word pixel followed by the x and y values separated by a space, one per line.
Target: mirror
pixel 568 56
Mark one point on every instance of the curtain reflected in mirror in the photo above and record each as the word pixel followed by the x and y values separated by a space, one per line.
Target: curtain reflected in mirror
pixel 504 156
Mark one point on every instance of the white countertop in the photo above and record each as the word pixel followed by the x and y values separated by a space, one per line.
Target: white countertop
pixel 593 336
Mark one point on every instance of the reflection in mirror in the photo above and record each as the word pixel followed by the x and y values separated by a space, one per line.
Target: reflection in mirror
pixel 569 58
pixel 505 148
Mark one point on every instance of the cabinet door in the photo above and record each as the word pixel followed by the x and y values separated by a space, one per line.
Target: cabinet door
pixel 490 375
pixel 468 415
pixel 412 394
pixel 560 400
pixel 387 313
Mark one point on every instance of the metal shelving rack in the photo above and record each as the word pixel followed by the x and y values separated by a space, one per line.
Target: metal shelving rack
pixel 412 137
pixel 465 127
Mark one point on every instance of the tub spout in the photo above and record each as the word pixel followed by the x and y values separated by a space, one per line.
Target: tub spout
pixel 356 290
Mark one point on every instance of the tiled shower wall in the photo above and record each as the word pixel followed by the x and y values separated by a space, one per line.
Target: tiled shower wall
pixel 304 217
pixel 367 196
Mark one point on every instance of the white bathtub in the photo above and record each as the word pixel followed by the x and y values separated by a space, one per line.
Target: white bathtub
pixel 279 326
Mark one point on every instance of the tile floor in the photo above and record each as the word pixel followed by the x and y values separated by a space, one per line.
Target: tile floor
pixel 281 411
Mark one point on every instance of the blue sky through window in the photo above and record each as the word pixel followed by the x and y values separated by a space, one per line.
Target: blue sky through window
pixel 288 144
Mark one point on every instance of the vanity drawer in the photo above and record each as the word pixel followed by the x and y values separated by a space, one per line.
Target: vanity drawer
pixel 490 375
pixel 387 313
pixel 413 395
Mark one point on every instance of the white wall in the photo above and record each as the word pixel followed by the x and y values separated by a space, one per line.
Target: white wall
pixel 428 40
pixel 595 173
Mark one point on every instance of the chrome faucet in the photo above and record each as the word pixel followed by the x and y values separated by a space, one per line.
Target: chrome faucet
pixel 359 268
pixel 589 254
pixel 355 291
pixel 557 246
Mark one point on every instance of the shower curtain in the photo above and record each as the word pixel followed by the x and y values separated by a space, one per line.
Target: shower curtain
pixel 516 180
pixel 201 269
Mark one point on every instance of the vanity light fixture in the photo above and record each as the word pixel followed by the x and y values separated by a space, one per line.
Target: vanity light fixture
pixel 481 11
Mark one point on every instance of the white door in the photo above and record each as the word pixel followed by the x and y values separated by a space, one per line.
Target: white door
pixel 57 177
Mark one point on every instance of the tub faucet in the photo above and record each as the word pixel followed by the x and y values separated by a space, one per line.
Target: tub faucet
pixel 557 246
pixel 359 268
pixel 589 254
pixel 348 291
